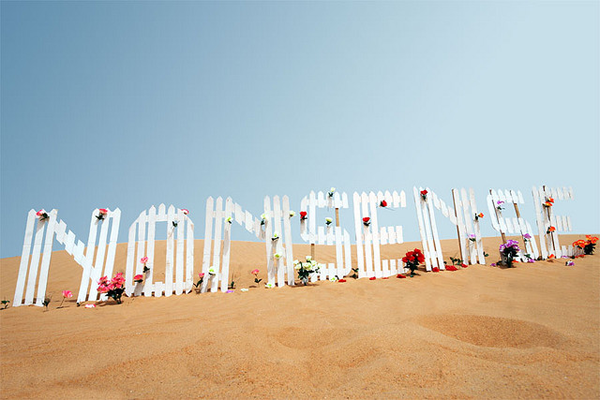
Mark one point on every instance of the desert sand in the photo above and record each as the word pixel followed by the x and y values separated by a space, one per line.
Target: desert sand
pixel 479 332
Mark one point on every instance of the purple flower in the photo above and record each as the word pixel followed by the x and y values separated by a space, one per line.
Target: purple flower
pixel 570 264
pixel 492 264
pixel 527 236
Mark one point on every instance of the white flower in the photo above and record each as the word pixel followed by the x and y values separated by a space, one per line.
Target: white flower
pixel 297 266
pixel 332 190
pixel 328 220
pixel 212 271
pixel 244 289
pixel 333 279
pixel 264 216
pixel 277 256
pixel 308 258
pixel 229 219
pixel 292 213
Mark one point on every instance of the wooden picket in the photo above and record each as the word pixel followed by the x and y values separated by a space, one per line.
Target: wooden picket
pixel 34 275
pixel 179 225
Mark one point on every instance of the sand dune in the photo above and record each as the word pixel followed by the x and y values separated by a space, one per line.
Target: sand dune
pixel 480 332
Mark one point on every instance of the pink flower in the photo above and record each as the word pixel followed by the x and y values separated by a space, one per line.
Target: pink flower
pixel 201 275
pixel 67 294
pixel 185 211
pixel 255 272
pixel 144 260
pixel 103 211
pixel 90 306
pixel 41 212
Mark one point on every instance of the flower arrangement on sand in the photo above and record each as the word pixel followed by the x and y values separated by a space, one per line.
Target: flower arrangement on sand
pixel 113 288
pixel 255 273
pixel 412 259
pixel 588 246
pixel 67 294
pixel 508 251
pixel 305 268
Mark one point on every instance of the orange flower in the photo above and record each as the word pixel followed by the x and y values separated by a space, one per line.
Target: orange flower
pixel 551 256
pixel 547 204
pixel 579 243
pixel 591 239
pixel 551 229
pixel 550 199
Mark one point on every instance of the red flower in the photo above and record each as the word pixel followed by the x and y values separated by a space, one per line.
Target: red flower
pixel 386 277
pixel 303 215
pixel 424 192
pixel 551 256
pixel 400 276
pixel 451 268
pixel 372 278
pixel 436 269
pixel 383 203
pixel 341 280
pixel 103 211
pixel 366 221
pixel 464 265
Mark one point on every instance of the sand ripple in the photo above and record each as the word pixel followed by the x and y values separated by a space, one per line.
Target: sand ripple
pixel 492 331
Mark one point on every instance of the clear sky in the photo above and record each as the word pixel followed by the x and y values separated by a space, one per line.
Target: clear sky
pixel 129 104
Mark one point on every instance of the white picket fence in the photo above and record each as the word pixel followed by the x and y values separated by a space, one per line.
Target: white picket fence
pixel 179 229
pixel 370 238
pixel 545 216
pixel 277 214
pixel 517 225
pixel 462 215
pixel 327 234
pixel 34 274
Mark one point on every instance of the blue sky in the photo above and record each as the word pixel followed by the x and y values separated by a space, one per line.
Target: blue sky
pixel 129 104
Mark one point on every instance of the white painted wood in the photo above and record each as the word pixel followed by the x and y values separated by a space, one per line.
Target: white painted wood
pixel 35 260
pixel 347 254
pixel 226 245
pixel 358 228
pixel 269 243
pixel 431 251
pixel 148 283
pixel 439 257
pixel 321 235
pixel 208 241
pixel 321 200
pixel 395 199
pixel 216 263
pixel 476 228
pixel 540 222
pixel 287 234
pixel 367 236
pixel 419 209
pixel 399 235
pixel 312 217
pixel 344 200
pixel 393 268
pixel 462 230
pixel 179 260
pixel 385 268
pixel 169 275
pixel 374 201
pixel 43 278
pixel 189 248
pixel 24 264
pixel 70 242
pixel 402 199
pixel 383 236
pixel 279 269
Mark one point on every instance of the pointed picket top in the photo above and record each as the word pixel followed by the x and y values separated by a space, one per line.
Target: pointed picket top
pixel 161 211
pixel 345 200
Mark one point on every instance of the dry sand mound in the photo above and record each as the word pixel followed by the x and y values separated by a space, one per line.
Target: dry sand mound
pixel 480 332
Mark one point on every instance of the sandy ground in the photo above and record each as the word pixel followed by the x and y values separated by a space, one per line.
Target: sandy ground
pixel 480 332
